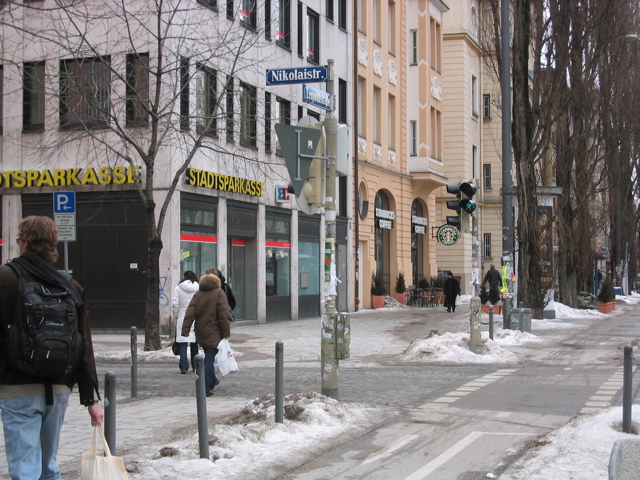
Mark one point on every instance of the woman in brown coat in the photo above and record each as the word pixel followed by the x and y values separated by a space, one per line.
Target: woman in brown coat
pixel 210 310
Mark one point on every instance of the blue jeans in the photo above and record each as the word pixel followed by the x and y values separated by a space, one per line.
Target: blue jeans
pixel 32 435
pixel 184 362
pixel 210 379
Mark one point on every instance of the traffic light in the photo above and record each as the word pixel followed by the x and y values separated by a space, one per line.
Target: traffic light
pixel 469 190
pixel 454 220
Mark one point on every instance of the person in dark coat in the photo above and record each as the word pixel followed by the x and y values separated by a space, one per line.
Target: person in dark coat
pixel 33 407
pixel 451 289
pixel 210 311
pixel 493 277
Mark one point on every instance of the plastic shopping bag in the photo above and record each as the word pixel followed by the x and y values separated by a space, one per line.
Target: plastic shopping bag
pixel 224 359
pixel 99 467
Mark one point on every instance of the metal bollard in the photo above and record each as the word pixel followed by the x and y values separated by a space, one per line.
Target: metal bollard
pixel 201 405
pixel 134 362
pixel 491 321
pixel 627 389
pixel 279 382
pixel 110 410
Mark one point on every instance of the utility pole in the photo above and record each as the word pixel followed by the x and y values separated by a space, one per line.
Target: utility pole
pixel 507 164
pixel 329 357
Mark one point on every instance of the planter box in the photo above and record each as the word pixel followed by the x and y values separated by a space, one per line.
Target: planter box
pixel 497 309
pixel 604 307
pixel 377 301
pixel 613 305
pixel 401 298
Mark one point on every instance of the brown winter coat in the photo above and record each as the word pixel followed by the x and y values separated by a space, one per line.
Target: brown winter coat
pixel 210 310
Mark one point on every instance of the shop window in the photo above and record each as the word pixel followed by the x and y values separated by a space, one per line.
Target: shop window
pixel 1 97
pixel 137 89
pixel 229 98
pixel 308 266
pixel 342 14
pixel 85 92
pixel 248 14
pixel 313 37
pixel 33 97
pixel 184 94
pixel 267 19
pixel 278 264
pixel 343 101
pixel 198 241
pixel 248 123
pixel 283 28
pixel 206 97
pixel 487 245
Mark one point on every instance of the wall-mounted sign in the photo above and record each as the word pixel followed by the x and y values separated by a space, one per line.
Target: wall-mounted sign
pixel 419 224
pixel 384 218
pixel 225 183
pixel 286 76
pixel 316 97
pixel 64 177
pixel 448 235
pixel 282 194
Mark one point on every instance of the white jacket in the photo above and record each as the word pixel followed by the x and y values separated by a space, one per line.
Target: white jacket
pixel 179 303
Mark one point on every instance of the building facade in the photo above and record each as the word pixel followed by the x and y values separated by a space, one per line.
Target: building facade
pixel 399 130
pixel 126 95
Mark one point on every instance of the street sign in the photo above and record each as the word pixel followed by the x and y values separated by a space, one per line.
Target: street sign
pixel 288 76
pixel 296 141
pixel 64 213
pixel 316 97
pixel 64 202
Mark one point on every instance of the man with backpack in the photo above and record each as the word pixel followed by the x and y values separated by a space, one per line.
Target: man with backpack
pixel 46 349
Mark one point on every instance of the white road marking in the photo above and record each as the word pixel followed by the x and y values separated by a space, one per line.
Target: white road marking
pixel 386 451
pixel 452 452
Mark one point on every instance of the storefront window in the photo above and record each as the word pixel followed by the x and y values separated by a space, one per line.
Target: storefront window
pixel 198 253
pixel 309 282
pixel 198 249
pixel 278 271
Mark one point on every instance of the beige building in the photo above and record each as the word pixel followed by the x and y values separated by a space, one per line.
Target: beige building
pixel 399 141
pixel 472 143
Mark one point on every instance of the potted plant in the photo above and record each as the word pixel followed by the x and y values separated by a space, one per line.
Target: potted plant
pixel 438 283
pixel 401 288
pixel 606 296
pixel 484 298
pixel 378 290
pixel 494 298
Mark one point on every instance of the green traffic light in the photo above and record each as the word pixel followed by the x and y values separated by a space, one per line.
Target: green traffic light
pixel 468 205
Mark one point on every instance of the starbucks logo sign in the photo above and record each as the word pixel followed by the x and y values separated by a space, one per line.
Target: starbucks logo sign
pixel 448 235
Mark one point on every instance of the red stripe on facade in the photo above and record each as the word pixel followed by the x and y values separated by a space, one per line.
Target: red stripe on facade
pixel 278 244
pixel 198 238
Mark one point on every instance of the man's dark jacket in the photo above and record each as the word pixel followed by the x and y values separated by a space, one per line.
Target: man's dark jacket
pixel 85 376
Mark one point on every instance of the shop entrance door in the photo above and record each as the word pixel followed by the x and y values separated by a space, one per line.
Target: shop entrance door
pixel 236 277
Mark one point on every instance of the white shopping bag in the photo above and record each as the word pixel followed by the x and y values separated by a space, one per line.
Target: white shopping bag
pixel 99 467
pixel 225 360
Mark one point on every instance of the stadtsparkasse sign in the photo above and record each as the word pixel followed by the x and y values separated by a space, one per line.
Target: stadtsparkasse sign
pixel 287 76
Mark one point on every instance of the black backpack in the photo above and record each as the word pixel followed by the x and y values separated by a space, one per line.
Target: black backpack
pixel 43 339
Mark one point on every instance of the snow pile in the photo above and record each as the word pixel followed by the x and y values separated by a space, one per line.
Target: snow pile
pixel 580 450
pixel 251 445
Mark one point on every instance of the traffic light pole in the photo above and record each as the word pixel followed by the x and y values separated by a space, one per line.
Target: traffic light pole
pixel 507 166
pixel 329 355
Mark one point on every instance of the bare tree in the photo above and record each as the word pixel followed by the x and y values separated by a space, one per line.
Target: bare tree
pixel 124 97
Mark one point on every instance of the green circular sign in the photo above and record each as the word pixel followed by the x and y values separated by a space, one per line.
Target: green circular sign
pixel 448 235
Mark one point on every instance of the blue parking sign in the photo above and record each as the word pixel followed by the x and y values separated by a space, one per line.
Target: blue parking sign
pixel 64 202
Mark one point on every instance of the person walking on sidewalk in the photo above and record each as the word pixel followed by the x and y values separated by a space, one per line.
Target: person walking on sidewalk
pixel 231 299
pixel 33 407
pixel 209 310
pixel 182 295
pixel 493 277
pixel 451 289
